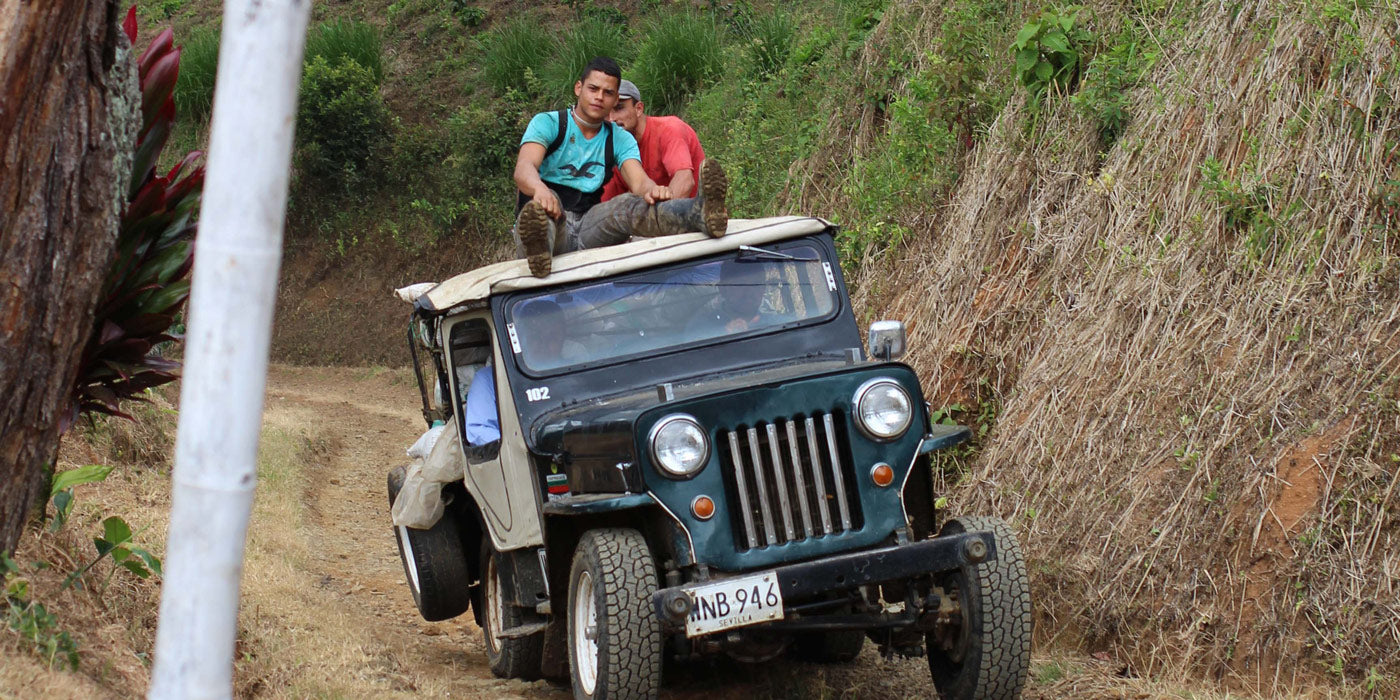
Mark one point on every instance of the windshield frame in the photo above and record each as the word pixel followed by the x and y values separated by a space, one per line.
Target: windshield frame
pixel 839 303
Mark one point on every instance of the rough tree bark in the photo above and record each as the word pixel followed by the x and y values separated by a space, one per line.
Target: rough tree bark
pixel 67 125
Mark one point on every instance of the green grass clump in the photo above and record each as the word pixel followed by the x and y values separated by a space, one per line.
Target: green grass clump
pixel 512 50
pixel 680 56
pixel 342 39
pixel 199 62
pixel 582 42
pixel 771 38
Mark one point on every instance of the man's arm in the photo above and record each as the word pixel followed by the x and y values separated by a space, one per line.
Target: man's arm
pixel 640 184
pixel 683 182
pixel 527 178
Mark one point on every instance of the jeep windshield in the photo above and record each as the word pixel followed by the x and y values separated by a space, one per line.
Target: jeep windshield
pixel 749 292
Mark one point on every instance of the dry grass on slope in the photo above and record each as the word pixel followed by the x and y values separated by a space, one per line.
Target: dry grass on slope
pixel 1192 372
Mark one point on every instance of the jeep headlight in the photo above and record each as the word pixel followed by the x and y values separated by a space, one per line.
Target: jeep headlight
pixel 679 446
pixel 883 409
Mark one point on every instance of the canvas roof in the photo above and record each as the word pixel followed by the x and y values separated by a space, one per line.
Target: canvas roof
pixel 514 275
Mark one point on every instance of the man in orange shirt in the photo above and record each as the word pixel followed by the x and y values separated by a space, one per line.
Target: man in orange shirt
pixel 671 152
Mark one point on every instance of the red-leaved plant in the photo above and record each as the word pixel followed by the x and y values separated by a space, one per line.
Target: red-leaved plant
pixel 148 282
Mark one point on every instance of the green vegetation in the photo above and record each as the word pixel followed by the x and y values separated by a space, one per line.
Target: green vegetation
pixel 581 42
pixel 342 120
pixel 1048 51
pixel 199 61
pixel 343 41
pixel 513 52
pixel 680 55
pixel 32 622
pixel 771 38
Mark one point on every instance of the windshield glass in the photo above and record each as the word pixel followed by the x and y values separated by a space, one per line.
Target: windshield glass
pixel 751 292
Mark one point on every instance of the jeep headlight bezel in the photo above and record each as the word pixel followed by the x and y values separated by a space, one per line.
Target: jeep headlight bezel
pixel 679 446
pixel 883 409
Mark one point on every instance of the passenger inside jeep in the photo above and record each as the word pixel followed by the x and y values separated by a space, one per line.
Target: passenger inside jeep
pixel 476 384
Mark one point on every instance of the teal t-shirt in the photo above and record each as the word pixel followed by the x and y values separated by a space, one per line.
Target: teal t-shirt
pixel 578 163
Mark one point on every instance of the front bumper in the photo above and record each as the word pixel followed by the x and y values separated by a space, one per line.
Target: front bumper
pixel 807 580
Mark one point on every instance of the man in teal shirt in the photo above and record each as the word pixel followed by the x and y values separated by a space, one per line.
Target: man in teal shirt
pixel 566 158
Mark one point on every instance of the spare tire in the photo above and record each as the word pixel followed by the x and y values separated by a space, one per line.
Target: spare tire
pixel 434 562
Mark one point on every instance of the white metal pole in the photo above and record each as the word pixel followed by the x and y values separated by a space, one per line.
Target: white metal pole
pixel 237 255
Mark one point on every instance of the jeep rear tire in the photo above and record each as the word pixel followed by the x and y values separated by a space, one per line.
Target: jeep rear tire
pixel 433 562
pixel 835 647
pixel 614 637
pixel 992 654
pixel 517 657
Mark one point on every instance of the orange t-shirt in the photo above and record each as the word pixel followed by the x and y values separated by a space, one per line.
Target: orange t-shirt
pixel 668 146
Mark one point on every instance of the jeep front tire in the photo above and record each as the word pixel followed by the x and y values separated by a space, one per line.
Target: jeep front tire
pixel 990 655
pixel 614 637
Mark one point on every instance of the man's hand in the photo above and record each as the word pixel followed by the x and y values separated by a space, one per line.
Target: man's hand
pixel 548 201
pixel 658 193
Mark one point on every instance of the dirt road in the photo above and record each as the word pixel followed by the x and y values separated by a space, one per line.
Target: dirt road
pixel 326 611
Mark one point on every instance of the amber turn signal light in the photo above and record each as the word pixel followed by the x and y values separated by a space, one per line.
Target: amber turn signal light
pixel 703 507
pixel 882 474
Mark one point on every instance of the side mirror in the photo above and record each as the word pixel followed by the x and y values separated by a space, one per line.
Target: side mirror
pixel 887 340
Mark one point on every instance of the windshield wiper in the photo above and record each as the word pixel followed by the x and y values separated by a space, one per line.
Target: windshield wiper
pixel 748 251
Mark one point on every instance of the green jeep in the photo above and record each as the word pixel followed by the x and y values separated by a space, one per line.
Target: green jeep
pixel 696 455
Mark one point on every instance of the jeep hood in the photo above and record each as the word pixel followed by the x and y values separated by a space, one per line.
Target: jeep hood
pixel 601 427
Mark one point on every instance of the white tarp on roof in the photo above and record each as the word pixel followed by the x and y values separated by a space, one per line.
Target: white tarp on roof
pixel 514 275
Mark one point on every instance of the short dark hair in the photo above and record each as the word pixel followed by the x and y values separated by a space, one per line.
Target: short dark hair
pixel 603 65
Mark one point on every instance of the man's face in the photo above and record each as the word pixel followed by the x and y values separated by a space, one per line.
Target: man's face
pixel 597 94
pixel 627 114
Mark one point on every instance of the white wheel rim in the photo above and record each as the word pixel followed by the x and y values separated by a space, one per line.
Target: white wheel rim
pixel 409 559
pixel 585 633
pixel 495 610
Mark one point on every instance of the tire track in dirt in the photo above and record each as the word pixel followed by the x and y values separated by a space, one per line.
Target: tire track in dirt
pixel 359 423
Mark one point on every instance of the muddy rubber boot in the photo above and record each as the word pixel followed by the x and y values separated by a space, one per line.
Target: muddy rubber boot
pixel 533 229
pixel 714 188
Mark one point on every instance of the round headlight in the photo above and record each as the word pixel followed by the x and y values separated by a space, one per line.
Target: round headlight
pixel 882 409
pixel 679 446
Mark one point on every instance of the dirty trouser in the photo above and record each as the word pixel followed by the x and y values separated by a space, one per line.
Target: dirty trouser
pixel 616 220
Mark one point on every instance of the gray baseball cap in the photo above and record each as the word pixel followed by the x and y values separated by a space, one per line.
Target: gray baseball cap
pixel 628 91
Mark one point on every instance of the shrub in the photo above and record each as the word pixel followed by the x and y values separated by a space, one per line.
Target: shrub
pixel 1105 94
pixel 345 39
pixel 199 62
pixel 680 55
pixel 342 119
pixel 584 40
pixel 770 41
pixel 1047 52
pixel 509 52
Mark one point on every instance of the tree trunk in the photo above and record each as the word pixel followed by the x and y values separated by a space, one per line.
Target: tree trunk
pixel 67 126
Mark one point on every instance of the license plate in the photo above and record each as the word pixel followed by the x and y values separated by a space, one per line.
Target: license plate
pixel 734 602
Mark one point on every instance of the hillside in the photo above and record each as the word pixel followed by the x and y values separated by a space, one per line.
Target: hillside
pixel 1162 280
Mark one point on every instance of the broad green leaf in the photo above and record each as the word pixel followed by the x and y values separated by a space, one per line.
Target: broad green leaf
pixel 120 554
pixel 163 299
pixel 88 474
pixel 1067 22
pixel 1025 60
pixel 151 560
pixel 1055 41
pixel 1027 32
pixel 1044 70
pixel 115 530
pixel 136 567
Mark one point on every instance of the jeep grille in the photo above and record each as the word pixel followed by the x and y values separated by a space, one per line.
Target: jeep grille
pixel 790 480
